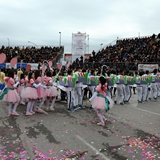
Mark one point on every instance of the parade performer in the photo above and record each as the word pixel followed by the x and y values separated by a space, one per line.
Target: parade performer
pixel 21 87
pixel 120 88
pixel 139 87
pixel 2 81
pixel 154 90
pixel 2 74
pixel 127 89
pixel 50 92
pixel 113 89
pixel 70 93
pixel 10 94
pixel 145 90
pixel 78 91
pixel 158 84
pixel 30 93
pixel 92 88
pixel 40 92
pixel 100 101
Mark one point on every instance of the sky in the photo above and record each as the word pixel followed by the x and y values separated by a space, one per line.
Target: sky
pixel 40 21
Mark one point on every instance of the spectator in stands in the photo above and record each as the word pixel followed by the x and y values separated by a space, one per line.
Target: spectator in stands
pixel 126 53
pixel 30 55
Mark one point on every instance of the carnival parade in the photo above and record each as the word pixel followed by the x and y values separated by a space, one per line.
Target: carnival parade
pixel 79 80
pixel 31 86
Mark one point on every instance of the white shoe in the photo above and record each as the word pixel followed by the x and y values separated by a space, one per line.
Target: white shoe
pixel 52 108
pixel 47 109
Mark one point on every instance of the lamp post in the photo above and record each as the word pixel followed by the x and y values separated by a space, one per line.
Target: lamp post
pixel 139 34
pixel 59 38
pixel 8 42
pixel 32 43
pixel 101 45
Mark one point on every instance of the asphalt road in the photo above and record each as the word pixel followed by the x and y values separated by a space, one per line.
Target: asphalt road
pixel 132 132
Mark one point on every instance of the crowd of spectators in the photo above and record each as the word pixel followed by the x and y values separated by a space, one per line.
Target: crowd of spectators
pixel 126 53
pixel 30 54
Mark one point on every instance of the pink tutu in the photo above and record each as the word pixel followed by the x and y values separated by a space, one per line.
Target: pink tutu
pixel 51 92
pixel 29 93
pixel 40 92
pixel 11 96
pixel 20 88
pixel 99 103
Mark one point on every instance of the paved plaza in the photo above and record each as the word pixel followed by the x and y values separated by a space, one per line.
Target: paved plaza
pixel 132 132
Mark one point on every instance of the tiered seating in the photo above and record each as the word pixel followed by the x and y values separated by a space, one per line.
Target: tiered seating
pixel 126 53
pixel 31 54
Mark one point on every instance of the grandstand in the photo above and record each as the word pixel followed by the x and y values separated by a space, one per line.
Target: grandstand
pixel 125 54
pixel 33 54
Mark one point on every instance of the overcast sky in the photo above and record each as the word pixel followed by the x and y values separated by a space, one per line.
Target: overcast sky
pixel 40 21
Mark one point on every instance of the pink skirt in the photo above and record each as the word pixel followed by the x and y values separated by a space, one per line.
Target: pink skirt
pixel 29 93
pixel 11 96
pixel 20 88
pixel 40 92
pixel 50 92
pixel 99 103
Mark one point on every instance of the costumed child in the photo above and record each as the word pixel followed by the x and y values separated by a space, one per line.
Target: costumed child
pixel 40 92
pixel 30 93
pixel 10 94
pixel 100 101
pixel 50 92
pixel 2 81
pixel 21 87
pixel 70 93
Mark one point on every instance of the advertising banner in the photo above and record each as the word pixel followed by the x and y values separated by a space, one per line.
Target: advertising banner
pixel 68 57
pixel 3 65
pixel 78 45
pixel 149 67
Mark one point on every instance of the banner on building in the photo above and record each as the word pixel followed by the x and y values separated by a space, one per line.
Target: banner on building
pixel 21 65
pixel 78 45
pixel 3 65
pixel 68 57
pixel 149 67
pixel 87 55
pixel 34 66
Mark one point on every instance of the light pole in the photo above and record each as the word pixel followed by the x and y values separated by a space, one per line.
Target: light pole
pixel 101 45
pixel 8 42
pixel 32 43
pixel 59 38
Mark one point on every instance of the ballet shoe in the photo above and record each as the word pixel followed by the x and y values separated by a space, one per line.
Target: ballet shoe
pixel 15 114
pixel 101 124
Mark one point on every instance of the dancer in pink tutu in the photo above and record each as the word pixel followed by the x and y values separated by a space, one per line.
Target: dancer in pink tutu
pixel 50 92
pixel 21 87
pixel 100 102
pixel 10 94
pixel 40 92
pixel 30 93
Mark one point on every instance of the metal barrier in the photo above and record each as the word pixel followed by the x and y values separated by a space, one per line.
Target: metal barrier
pixel 131 66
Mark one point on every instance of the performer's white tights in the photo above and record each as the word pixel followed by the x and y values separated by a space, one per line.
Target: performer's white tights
pixel 53 101
pixel 100 115
pixel 30 106
pixel 47 102
pixel 10 107
pixel 40 104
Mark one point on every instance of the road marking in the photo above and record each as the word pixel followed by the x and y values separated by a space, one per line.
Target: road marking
pixel 93 148
pixel 145 110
